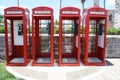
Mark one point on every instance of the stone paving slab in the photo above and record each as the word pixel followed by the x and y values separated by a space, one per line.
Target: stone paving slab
pixel 28 74
pixel 109 72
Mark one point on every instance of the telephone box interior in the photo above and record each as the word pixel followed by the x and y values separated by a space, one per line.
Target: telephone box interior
pixel 69 36
pixel 17 35
pixel 42 36
pixel 94 35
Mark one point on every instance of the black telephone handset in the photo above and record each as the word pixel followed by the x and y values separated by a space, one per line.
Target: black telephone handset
pixel 100 29
pixel 20 29
pixel 75 29
pixel 48 27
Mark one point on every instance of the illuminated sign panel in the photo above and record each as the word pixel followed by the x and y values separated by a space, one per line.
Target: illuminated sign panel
pixel 70 12
pixel 42 12
pixel 93 12
pixel 14 12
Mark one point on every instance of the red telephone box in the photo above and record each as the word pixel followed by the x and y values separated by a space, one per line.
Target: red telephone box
pixel 69 36
pixel 43 36
pixel 94 21
pixel 17 22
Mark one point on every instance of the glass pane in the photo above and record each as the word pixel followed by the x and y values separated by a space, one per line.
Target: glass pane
pixel 67 40
pixel 28 37
pixel 67 47
pixel 67 33
pixel 92 36
pixel 44 36
pixel 67 27
pixel 44 26
pixel 9 38
pixel 67 51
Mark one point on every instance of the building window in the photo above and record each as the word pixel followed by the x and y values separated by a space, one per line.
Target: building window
pixel 110 17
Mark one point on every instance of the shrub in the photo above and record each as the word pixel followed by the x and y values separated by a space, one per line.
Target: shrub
pixel 81 29
pixel 93 31
pixel 30 29
pixel 1 29
pixel 118 31
pixel 55 30
pixel 112 31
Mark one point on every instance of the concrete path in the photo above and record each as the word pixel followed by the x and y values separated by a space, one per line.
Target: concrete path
pixel 109 72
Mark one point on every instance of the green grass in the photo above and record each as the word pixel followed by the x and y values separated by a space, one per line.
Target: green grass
pixel 4 74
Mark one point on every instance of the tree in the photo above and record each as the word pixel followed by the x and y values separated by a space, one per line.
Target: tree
pixel 60 3
pixel 56 22
pixel 83 1
pixel 104 3
pixel 1 18
pixel 17 2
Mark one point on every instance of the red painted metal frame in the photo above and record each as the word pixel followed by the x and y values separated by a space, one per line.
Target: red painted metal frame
pixel 35 24
pixel 22 51
pixel 99 52
pixel 75 17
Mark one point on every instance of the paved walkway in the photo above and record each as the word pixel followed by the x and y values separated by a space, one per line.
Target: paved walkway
pixel 109 72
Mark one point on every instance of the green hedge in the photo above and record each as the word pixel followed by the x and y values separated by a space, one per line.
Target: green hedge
pixel 1 29
pixel 110 31
pixel 113 31
pixel 55 30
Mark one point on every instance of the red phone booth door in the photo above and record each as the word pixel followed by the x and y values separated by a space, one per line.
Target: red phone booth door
pixel 15 41
pixel 96 41
pixel 69 36
pixel 70 54
pixel 43 36
pixel 68 42
pixel 42 42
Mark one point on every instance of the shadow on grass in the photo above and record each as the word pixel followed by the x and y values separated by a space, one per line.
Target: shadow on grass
pixel 4 74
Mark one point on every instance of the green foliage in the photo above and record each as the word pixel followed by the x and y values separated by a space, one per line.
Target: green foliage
pixel 56 29
pixel 93 31
pixel 112 31
pixel 81 29
pixel 1 18
pixel 118 31
pixel 68 29
pixel 1 29
pixel 30 29
pixel 4 75
pixel 56 22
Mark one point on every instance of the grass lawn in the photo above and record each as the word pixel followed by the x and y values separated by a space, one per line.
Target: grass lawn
pixel 4 74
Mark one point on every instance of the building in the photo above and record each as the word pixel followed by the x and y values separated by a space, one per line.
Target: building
pixel 117 14
pixel 110 16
